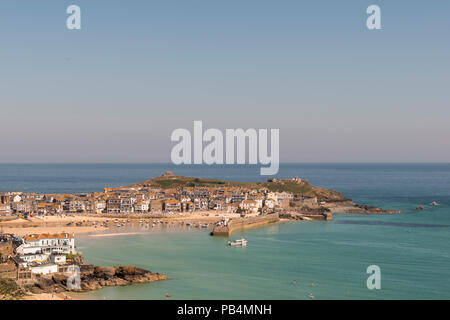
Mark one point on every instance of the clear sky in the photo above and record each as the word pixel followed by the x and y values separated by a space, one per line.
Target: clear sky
pixel 116 89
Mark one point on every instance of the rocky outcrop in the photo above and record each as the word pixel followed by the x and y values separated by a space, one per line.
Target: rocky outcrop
pixel 360 209
pixel 95 278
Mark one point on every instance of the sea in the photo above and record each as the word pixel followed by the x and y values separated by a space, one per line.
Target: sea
pixel 289 260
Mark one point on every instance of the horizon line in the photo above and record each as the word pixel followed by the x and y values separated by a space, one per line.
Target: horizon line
pixel 234 164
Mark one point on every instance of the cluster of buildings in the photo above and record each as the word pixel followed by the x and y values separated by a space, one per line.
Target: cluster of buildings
pixel 22 258
pixel 125 200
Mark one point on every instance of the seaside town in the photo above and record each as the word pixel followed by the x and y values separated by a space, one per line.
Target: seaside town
pixel 37 231
pixel 148 200
pixel 29 259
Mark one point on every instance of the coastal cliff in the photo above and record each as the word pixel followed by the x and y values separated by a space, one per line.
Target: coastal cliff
pixel 96 277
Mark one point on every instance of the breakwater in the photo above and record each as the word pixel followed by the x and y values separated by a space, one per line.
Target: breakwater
pixel 244 223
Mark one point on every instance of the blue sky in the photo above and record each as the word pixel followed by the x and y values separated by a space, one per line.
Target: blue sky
pixel 116 89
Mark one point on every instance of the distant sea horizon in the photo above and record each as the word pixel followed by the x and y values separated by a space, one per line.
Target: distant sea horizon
pixel 282 260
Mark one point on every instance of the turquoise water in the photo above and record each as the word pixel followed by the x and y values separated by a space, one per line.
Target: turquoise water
pixel 412 248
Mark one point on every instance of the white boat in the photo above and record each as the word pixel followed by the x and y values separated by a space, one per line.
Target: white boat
pixel 240 242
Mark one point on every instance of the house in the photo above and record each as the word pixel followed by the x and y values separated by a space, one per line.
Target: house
pixel 250 206
pixel 48 207
pixel 280 196
pixel 99 205
pixel 23 206
pixel 172 205
pixel 74 205
pixel 113 205
pixel 47 244
pixel 44 268
pixel 231 207
pixel 216 205
pixel 141 206
pixel 270 203
pixel 126 205
pixel 188 206
pixel 58 258
pixel 5 209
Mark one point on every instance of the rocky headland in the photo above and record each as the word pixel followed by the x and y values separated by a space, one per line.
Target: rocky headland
pixel 95 278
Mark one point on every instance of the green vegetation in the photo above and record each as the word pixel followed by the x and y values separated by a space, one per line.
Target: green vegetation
pixel 302 189
pixel 177 181
pixel 9 289
pixel 72 256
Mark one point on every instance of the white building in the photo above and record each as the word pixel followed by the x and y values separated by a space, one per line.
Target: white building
pixel 249 206
pixel 33 257
pixel 63 243
pixel 58 258
pixel 270 203
pixel 44 269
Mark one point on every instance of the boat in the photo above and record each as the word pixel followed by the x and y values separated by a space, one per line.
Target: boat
pixel 434 203
pixel 240 242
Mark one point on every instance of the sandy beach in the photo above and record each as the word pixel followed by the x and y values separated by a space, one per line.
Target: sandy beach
pixel 52 224
pixel 81 224
pixel 47 296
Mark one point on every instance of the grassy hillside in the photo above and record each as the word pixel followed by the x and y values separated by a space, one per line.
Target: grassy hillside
pixel 169 180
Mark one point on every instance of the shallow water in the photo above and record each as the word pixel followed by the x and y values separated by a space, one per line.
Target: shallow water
pixel 411 248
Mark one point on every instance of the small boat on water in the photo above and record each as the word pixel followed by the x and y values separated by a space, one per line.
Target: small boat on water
pixel 240 242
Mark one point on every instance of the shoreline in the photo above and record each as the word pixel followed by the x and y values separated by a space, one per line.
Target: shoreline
pixel 94 225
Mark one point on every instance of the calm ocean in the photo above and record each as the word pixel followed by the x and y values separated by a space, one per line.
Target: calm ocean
pixel 412 248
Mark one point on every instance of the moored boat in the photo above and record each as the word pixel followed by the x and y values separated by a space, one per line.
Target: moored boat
pixel 240 242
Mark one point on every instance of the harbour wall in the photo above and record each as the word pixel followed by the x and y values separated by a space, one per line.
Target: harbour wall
pixel 244 223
